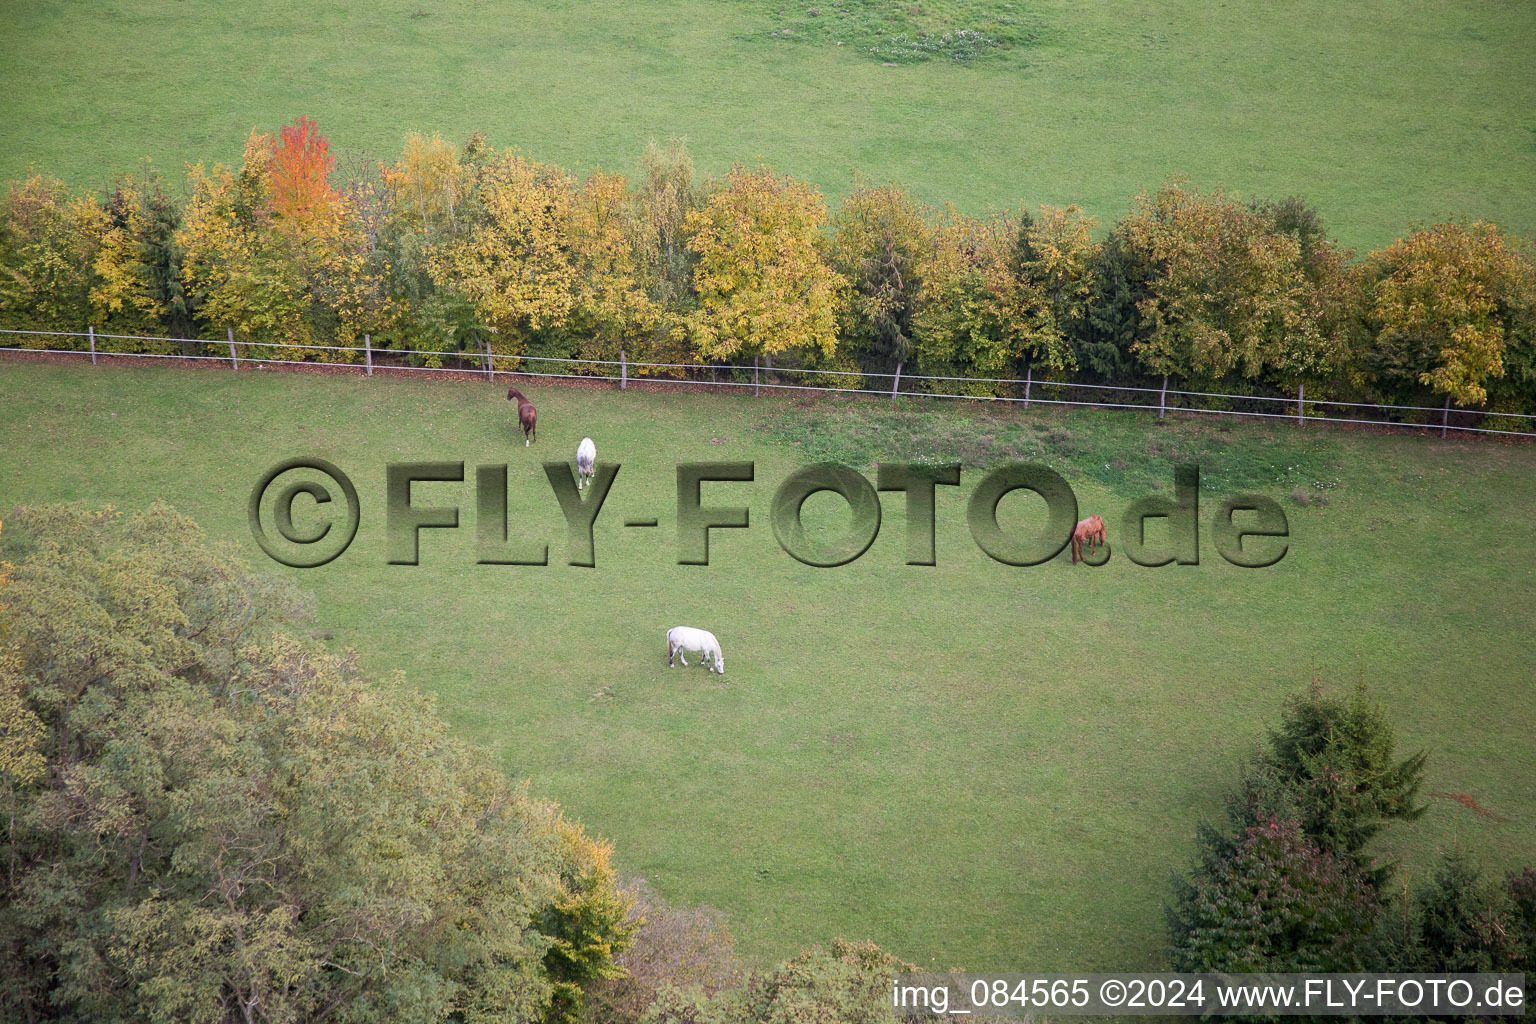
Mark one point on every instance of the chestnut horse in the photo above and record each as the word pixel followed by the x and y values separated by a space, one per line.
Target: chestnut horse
pixel 527 416
pixel 1090 530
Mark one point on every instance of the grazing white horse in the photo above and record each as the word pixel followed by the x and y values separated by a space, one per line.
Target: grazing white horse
pixel 586 458
pixel 700 641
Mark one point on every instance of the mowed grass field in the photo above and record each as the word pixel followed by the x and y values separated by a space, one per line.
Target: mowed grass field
pixel 1385 113
pixel 973 764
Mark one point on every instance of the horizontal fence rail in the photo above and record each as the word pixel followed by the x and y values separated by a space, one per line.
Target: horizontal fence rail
pixel 369 359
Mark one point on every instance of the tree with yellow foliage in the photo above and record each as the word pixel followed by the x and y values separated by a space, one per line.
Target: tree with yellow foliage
pixel 588 922
pixel 1056 260
pixel 430 197
pixel 665 194
pixel 49 240
pixel 516 269
pixel 762 277
pixel 240 270
pixel 1443 304
pixel 138 288
pixel 430 186
pixel 1006 295
pixel 274 253
pixel 612 309
pixel 962 329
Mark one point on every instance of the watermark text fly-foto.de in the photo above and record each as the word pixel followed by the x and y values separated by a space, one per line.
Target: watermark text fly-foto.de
pixel 304 512
pixel 1018 996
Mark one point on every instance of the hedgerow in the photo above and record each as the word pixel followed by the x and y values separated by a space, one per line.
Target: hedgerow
pixel 473 250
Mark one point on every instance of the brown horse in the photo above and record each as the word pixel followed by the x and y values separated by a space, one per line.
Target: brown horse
pixel 1090 530
pixel 527 415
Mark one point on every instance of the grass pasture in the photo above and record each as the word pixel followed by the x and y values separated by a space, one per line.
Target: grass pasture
pixel 1384 113
pixel 992 767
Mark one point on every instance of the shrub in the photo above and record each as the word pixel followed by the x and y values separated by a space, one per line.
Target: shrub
pixel 677 947
pixel 848 982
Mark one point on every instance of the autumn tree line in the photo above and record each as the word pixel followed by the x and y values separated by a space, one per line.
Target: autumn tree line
pixel 470 249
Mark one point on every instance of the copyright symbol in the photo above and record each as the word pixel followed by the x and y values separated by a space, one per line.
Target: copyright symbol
pixel 282 515
pixel 1112 992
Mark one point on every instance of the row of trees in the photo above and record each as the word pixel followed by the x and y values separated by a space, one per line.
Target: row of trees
pixel 1287 883
pixel 204 818
pixel 471 249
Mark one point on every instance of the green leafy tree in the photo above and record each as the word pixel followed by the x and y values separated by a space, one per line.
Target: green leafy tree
pixel 1111 323
pixel 211 821
pixel 588 923
pixel 880 242
pixel 1228 292
pixel 673 948
pixel 1466 920
pixel 428 200
pixel 138 288
pixel 666 194
pixel 974 322
pixel 239 272
pixel 1286 884
pixel 1057 255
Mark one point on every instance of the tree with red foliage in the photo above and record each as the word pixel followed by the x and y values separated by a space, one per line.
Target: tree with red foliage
pixel 302 198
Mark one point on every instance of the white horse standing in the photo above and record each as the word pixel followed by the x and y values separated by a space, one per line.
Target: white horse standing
pixel 700 641
pixel 586 458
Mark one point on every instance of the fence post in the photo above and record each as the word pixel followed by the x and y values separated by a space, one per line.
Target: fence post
pixel 233 359
pixel 1301 394
pixel 1445 416
pixel 490 367
pixel 623 371
pixel 897 385
pixel 92 329
pixel 368 351
pixel 1029 380
pixel 1162 402
pixel 754 376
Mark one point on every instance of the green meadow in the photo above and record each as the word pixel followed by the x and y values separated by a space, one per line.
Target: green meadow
pixel 1384 113
pixel 973 764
